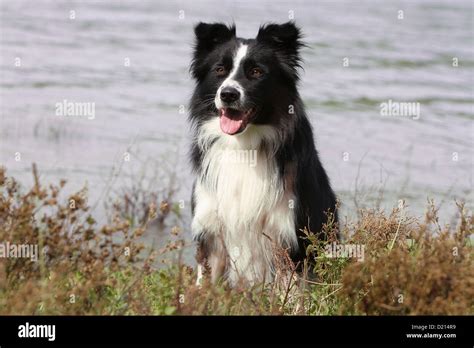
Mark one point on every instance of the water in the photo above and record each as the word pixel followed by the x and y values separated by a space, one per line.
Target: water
pixel 137 107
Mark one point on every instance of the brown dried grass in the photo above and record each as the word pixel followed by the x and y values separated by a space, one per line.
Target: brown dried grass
pixel 410 266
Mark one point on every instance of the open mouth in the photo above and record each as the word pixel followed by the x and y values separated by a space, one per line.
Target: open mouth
pixel 234 121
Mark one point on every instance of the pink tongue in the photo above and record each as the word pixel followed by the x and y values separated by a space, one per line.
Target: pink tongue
pixel 228 125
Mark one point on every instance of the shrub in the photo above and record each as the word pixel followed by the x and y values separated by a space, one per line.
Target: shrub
pixel 409 267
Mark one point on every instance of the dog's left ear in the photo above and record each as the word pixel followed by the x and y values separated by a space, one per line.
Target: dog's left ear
pixel 285 38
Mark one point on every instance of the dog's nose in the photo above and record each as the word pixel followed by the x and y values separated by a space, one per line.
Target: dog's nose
pixel 229 94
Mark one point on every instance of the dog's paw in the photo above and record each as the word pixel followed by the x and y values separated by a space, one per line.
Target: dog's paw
pixel 200 276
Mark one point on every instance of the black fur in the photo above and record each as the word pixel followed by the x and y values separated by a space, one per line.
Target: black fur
pixel 276 51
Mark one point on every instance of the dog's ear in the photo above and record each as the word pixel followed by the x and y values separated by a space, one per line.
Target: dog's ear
pixel 208 36
pixel 285 39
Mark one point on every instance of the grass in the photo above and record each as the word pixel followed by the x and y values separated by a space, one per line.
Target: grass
pixel 410 266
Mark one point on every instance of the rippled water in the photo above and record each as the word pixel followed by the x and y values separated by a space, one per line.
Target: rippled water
pixel 137 107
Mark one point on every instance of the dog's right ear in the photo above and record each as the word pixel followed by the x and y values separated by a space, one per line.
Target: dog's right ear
pixel 208 36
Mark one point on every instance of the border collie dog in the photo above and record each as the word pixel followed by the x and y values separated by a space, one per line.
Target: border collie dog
pixel 259 181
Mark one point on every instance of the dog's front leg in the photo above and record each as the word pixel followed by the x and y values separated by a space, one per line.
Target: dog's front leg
pixel 218 259
pixel 211 257
pixel 202 264
pixel 206 230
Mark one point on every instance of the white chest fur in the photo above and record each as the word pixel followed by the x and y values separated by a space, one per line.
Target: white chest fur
pixel 241 200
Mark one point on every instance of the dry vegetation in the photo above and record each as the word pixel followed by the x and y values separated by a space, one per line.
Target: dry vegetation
pixel 410 266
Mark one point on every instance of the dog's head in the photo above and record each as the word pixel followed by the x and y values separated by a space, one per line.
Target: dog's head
pixel 246 81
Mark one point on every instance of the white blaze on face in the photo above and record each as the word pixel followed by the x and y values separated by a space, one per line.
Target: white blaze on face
pixel 229 81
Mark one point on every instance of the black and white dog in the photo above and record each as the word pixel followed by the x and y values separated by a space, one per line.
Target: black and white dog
pixel 259 179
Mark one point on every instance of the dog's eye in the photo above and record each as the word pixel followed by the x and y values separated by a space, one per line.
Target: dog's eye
pixel 256 72
pixel 220 71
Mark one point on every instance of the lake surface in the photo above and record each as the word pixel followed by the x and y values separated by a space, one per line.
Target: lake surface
pixel 131 60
